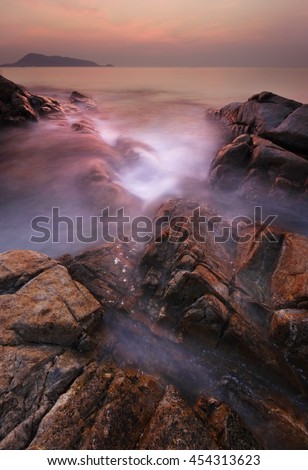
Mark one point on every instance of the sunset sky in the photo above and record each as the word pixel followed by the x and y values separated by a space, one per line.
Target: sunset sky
pixel 159 32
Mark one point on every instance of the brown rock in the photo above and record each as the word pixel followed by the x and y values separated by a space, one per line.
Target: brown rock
pixel 289 329
pixel 84 126
pixel 105 408
pixel 62 427
pixel 31 378
pixel 131 401
pixel 289 283
pixel 49 309
pixel 175 426
pixel 210 290
pixel 225 426
pixel 107 272
pixel 19 266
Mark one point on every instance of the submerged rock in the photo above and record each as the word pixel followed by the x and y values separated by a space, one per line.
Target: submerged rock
pixel 82 100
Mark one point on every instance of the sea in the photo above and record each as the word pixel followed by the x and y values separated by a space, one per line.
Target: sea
pixel 154 116
pixel 214 86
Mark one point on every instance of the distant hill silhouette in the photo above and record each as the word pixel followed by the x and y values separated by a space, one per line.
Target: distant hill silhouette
pixel 41 60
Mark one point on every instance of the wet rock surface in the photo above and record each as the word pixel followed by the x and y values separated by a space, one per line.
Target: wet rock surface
pixel 265 159
pixel 176 426
pixel 193 341
pixel 72 367
pixel 17 105
pixel 256 169
pixel 260 114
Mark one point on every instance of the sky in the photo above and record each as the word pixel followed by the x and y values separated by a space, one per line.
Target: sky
pixel 266 33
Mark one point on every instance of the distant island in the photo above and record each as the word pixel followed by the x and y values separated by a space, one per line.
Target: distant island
pixel 41 60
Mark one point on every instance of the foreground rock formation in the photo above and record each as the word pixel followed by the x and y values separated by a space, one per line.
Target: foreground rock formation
pixel 197 340
pixel 56 393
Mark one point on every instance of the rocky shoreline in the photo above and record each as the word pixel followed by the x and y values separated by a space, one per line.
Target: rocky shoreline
pixel 183 344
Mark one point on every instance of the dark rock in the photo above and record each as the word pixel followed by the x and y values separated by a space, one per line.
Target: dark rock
pixel 237 153
pixel 289 329
pixel 107 273
pixel 17 105
pixel 45 105
pixel 292 425
pixel 22 107
pixel 292 133
pixel 82 100
pixel 260 114
pixel 261 171
pixel 225 426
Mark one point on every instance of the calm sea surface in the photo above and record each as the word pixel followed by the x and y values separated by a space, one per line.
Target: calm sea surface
pixel 214 86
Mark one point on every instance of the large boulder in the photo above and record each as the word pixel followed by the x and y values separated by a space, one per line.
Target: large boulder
pixel 261 172
pixel 271 116
pixel 260 113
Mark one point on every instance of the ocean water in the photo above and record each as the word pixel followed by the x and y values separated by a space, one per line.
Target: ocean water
pixel 214 86
pixel 153 142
